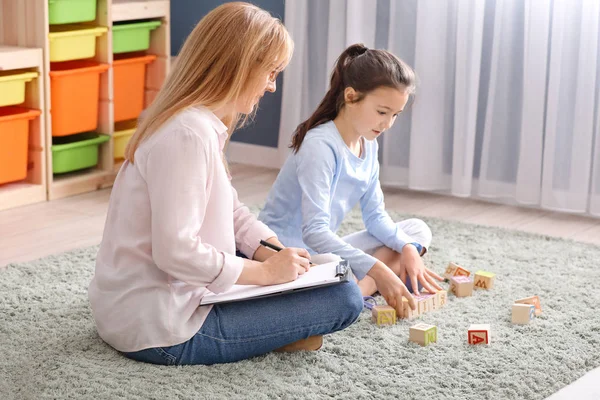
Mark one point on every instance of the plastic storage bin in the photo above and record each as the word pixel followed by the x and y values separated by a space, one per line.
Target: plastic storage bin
pixel 123 132
pixel 12 87
pixel 131 37
pixel 14 140
pixel 72 153
pixel 70 11
pixel 129 82
pixel 75 90
pixel 73 42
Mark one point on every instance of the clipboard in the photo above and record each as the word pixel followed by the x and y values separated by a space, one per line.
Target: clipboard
pixel 322 275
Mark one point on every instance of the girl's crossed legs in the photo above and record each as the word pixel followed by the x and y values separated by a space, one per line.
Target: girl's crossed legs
pixel 363 240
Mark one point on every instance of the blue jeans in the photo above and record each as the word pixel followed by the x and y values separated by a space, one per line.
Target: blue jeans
pixel 241 330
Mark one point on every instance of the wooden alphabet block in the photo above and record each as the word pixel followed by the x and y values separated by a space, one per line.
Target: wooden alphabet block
pixel 424 303
pixel 441 297
pixel 484 280
pixel 460 271
pixel 430 301
pixel 461 286
pixel 535 300
pixel 479 334
pixel 423 334
pixel 455 270
pixel 450 270
pixel 408 312
pixel 383 315
pixel 522 313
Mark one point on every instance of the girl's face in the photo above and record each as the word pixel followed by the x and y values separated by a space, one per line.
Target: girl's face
pixel 260 83
pixel 376 112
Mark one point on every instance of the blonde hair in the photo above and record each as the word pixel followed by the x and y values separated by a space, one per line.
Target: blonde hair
pixel 215 65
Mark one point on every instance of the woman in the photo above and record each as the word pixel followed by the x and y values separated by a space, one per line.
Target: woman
pixel 174 220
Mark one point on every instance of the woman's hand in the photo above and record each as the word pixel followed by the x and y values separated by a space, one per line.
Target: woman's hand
pixel 411 264
pixel 391 287
pixel 283 266
pixel 286 265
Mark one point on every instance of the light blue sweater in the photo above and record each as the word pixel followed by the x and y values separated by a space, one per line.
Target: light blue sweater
pixel 315 190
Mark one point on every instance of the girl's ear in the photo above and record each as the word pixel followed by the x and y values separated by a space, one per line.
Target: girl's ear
pixel 350 95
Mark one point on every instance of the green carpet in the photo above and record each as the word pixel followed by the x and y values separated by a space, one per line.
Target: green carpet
pixel 50 348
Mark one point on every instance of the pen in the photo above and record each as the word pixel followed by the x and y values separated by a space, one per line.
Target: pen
pixel 274 247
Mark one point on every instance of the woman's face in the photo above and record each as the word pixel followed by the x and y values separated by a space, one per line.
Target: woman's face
pixel 260 83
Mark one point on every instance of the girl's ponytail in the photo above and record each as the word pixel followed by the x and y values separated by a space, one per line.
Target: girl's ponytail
pixel 334 98
pixel 364 70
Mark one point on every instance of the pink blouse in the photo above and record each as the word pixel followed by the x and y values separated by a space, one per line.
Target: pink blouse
pixel 173 225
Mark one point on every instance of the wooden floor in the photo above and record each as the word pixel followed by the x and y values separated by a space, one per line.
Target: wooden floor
pixel 31 232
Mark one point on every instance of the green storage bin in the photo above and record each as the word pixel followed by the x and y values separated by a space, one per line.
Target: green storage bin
pixel 71 11
pixel 130 37
pixel 75 152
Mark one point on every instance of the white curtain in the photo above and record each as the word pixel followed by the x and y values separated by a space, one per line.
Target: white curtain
pixel 508 100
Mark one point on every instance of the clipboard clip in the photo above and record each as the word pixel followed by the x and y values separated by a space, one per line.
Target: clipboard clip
pixel 342 268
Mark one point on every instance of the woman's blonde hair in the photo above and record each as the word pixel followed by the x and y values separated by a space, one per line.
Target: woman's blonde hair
pixel 215 64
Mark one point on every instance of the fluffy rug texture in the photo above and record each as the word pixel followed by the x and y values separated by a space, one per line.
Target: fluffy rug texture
pixel 50 348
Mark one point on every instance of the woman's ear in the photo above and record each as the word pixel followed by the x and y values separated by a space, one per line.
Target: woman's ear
pixel 350 95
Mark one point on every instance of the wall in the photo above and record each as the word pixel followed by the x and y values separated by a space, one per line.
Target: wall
pixel 185 14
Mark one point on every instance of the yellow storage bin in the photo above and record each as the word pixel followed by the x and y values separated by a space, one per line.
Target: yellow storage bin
pixel 123 132
pixel 12 87
pixel 73 42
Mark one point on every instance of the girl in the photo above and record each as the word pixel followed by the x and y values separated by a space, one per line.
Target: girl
pixel 334 166
pixel 174 220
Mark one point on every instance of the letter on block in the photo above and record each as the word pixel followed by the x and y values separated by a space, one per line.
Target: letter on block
pixel 450 270
pixel 462 286
pixel 424 303
pixel 522 313
pixel 383 315
pixel 479 334
pixel 408 312
pixel 441 297
pixel 484 280
pixel 535 300
pixel 455 270
pixel 423 334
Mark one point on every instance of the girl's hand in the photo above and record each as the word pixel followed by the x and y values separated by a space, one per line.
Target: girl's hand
pixel 285 266
pixel 391 287
pixel 411 264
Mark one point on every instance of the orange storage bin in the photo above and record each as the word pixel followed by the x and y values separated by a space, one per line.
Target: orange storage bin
pixel 129 82
pixel 75 90
pixel 14 141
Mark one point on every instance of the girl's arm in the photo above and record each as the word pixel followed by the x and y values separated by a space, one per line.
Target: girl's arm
pixel 376 219
pixel 380 225
pixel 316 170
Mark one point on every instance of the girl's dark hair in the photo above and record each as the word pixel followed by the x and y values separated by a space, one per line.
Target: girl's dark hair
pixel 364 70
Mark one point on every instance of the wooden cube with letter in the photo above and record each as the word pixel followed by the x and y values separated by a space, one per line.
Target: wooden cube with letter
pixel 522 313
pixel 383 315
pixel 479 334
pixel 484 280
pixel 407 312
pixel 461 286
pixel 423 334
pixel 535 300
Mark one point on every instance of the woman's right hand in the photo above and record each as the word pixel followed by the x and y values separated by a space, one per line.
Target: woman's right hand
pixel 391 287
pixel 286 265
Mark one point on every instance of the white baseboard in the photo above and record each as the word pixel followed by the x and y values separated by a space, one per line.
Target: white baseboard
pixel 251 154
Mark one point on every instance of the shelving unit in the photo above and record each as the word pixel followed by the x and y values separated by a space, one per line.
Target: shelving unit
pixel 33 188
pixel 26 23
pixel 19 51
